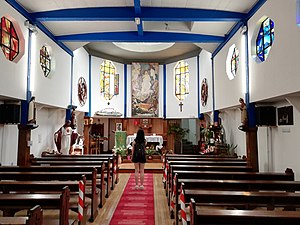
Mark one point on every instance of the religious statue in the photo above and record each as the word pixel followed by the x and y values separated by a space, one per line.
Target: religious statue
pixel 244 116
pixel 31 120
pixel 65 138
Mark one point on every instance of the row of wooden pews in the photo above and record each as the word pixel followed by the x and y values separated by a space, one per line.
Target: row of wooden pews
pixel 44 182
pixel 196 183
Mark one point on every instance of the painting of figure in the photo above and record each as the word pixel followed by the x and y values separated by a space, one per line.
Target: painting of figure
pixel 144 89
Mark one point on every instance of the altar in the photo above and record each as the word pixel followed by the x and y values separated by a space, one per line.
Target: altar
pixel 149 139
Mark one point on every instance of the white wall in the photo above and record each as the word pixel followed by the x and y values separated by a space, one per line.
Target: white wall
pixel 9 144
pixel 97 99
pixel 49 121
pixel 190 103
pixel 205 65
pixel 81 69
pixel 56 89
pixel 279 74
pixel 14 75
pixel 232 134
pixel 228 92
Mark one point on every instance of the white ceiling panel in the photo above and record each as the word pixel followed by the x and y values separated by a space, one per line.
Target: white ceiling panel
pixel 62 28
pixel 45 5
pixel 75 45
pixel 208 47
pixel 166 26
pixel 212 28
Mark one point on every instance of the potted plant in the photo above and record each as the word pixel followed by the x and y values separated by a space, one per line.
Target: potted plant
pixel 178 133
pixel 149 152
pixel 121 152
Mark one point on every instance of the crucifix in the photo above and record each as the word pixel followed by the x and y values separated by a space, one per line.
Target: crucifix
pixel 180 105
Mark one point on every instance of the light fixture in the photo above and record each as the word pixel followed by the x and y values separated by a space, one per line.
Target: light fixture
pixel 143 46
pixel 137 20
pixel 244 29
pixel 31 26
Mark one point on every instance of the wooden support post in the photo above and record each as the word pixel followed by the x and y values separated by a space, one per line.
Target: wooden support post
pixel 24 145
pixel 252 150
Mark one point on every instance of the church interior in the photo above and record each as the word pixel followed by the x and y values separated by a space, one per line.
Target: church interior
pixel 212 86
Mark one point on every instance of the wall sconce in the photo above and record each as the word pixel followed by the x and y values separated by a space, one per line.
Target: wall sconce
pixel 31 26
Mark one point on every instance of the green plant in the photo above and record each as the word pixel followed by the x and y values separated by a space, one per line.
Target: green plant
pixel 178 132
pixel 150 152
pixel 121 151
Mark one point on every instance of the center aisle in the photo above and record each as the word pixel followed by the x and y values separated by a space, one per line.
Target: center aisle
pixel 136 206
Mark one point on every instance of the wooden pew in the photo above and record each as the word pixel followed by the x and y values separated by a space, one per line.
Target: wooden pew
pixel 238 217
pixel 11 203
pixel 203 168
pixel 59 160
pixel 78 163
pixel 34 217
pixel 106 157
pixel 42 187
pixel 231 185
pixel 65 168
pixel 57 176
pixel 240 198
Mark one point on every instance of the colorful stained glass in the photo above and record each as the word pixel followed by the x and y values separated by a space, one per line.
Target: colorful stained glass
pixel 109 81
pixel 234 61
pixel 45 60
pixel 9 39
pixel 265 39
pixel 181 80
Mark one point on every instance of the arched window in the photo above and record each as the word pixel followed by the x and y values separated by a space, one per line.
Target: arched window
pixel 232 61
pixel 109 80
pixel 265 39
pixel 9 39
pixel 182 78
pixel 45 60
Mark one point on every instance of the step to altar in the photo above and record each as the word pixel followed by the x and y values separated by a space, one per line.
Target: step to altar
pixel 150 167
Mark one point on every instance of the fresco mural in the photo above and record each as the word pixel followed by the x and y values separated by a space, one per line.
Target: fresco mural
pixel 144 89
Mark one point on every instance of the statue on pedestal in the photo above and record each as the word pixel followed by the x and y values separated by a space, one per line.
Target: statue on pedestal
pixel 65 138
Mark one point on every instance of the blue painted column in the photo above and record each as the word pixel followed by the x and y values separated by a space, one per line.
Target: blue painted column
pixel 165 91
pixel 198 86
pixel 24 103
pixel 250 106
pixel 89 113
pixel 125 90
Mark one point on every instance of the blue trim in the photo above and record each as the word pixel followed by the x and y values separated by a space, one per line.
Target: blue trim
pixel 28 91
pixel 165 91
pixel 254 9
pixel 216 116
pixel 28 16
pixel 125 90
pixel 90 86
pixel 24 103
pixel 251 115
pixel 129 13
pixel 213 83
pixel 198 86
pixel 131 36
pixel 138 12
pixel 247 100
pixel 72 76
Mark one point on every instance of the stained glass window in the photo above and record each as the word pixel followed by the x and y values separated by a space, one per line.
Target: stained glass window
pixel 109 80
pixel 182 78
pixel 45 60
pixel 265 39
pixel 234 61
pixel 9 39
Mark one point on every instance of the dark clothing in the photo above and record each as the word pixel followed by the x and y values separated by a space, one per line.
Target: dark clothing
pixel 139 153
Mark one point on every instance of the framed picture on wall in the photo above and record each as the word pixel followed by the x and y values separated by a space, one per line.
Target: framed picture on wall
pixel 285 115
pixel 118 126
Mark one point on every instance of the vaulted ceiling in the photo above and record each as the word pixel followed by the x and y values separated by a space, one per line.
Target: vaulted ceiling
pixel 191 24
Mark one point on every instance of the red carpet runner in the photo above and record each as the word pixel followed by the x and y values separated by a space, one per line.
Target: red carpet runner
pixel 136 207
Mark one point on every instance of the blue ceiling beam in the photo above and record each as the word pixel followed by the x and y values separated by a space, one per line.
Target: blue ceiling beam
pixel 146 14
pixel 138 20
pixel 32 20
pixel 238 25
pixel 131 36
